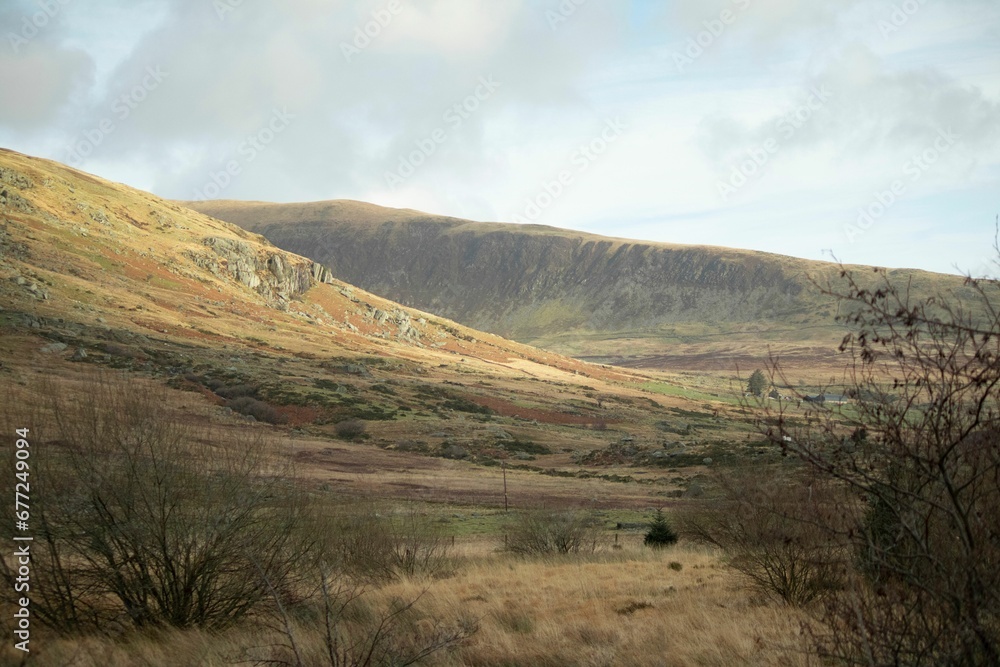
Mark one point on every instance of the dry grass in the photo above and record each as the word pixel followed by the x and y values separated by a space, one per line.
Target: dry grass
pixel 626 607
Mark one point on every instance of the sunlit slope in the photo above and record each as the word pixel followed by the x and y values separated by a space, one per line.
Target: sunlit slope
pixel 86 251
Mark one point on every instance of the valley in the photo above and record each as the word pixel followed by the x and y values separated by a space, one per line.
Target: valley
pixel 394 423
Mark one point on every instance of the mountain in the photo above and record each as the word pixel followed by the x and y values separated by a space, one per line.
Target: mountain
pixel 95 275
pixel 617 300
pixel 74 247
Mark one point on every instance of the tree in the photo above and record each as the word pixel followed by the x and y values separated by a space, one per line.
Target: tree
pixel 918 456
pixel 660 533
pixel 757 383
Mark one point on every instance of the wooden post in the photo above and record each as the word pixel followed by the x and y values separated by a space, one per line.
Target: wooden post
pixel 503 466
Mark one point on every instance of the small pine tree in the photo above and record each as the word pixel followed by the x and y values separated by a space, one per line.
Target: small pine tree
pixel 757 383
pixel 660 533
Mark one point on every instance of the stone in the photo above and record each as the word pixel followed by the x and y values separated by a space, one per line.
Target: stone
pixel 55 347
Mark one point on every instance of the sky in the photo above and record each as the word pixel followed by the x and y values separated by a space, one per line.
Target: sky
pixel 862 130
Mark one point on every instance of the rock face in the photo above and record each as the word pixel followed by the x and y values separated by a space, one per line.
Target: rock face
pixel 275 276
pixel 10 182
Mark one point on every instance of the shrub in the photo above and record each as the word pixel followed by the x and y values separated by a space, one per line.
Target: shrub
pixel 526 446
pixel 259 410
pixel 135 520
pixel 358 632
pixel 350 429
pixel 547 532
pixel 237 391
pixel 770 534
pixel 373 544
pixel 660 533
pixel 920 473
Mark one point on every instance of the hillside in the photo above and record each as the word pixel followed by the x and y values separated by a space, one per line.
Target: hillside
pixel 105 286
pixel 95 275
pixel 671 306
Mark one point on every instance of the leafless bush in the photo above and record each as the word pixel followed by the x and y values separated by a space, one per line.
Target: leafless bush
pixel 237 391
pixel 395 635
pixel 773 534
pixel 350 428
pixel 259 410
pixel 549 532
pixel 919 455
pixel 378 544
pixel 137 523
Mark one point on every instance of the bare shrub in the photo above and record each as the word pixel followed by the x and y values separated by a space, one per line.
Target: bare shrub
pixel 356 633
pixel 769 533
pixel 552 532
pixel 137 523
pixel 259 410
pixel 377 544
pixel 350 429
pixel 919 458
pixel 237 391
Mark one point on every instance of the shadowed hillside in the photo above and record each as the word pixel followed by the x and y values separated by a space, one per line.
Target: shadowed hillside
pixel 576 293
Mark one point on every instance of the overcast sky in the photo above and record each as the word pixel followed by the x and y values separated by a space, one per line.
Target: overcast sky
pixel 865 129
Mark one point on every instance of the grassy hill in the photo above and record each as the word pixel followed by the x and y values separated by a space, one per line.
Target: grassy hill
pixel 96 275
pixel 626 302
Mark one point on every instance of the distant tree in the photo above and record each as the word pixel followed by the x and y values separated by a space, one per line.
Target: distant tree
pixel 757 383
pixel 660 533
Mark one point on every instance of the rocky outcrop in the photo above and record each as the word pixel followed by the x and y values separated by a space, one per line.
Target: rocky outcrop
pixel 398 318
pixel 10 181
pixel 15 178
pixel 278 277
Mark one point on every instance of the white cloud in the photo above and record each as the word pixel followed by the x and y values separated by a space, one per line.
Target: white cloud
pixel 355 117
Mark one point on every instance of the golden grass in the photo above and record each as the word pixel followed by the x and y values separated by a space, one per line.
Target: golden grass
pixel 626 607
pixel 621 608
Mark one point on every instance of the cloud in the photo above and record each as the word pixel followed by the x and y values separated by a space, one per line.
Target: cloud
pixel 364 83
pixel 39 84
pixel 875 118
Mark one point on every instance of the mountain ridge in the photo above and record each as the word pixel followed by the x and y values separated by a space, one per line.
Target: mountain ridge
pixel 573 292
